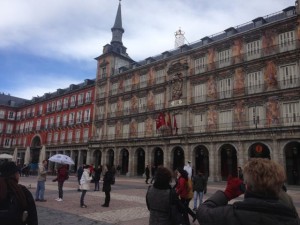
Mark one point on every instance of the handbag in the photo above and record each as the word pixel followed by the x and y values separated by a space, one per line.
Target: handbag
pixel 176 209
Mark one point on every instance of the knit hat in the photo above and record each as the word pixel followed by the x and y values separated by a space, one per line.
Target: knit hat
pixel 8 169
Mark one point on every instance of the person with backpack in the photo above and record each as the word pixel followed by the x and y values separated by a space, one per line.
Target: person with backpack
pixel 62 176
pixel 17 206
pixel 107 181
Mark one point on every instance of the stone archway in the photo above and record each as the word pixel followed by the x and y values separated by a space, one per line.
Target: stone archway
pixel 228 161
pixel 110 157
pixel 97 155
pixel 259 150
pixel 201 160
pixel 178 158
pixel 292 156
pixel 158 157
pixel 124 159
pixel 140 161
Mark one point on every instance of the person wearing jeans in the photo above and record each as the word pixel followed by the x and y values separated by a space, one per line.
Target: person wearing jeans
pixel 84 184
pixel 40 187
pixel 199 187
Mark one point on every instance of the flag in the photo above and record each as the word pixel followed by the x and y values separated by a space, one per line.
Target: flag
pixel 160 121
pixel 168 120
pixel 175 125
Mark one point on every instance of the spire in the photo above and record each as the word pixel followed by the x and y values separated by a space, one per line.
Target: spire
pixel 117 29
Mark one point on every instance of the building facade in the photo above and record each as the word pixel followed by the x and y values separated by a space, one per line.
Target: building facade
pixel 216 102
pixel 59 122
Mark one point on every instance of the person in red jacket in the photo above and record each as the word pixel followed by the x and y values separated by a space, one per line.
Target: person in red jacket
pixel 62 176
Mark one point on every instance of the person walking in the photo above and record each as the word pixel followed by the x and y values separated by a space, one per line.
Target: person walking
pixel 79 174
pixel 199 186
pixel 10 187
pixel 153 171
pixel 62 176
pixel 147 174
pixel 107 180
pixel 84 184
pixel 41 180
pixel 262 204
pixel 97 175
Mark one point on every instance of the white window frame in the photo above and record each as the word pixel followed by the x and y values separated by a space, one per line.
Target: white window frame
pixel 200 64
pixel 225 120
pixel 287 41
pixel 253 49
pixel 291 113
pixel 160 76
pixel 256 116
pixel 255 82
pixel 224 58
pixel 225 88
pixel 159 101
pixel 199 93
pixel 288 76
pixel 143 80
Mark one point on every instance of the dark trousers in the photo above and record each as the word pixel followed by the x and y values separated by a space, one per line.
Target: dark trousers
pixel 83 192
pixel 147 178
pixel 107 198
pixel 96 185
pixel 60 189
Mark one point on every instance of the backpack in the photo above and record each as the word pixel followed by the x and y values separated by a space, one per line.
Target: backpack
pixel 11 212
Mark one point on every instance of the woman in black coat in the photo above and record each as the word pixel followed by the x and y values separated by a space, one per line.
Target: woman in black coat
pixel 107 181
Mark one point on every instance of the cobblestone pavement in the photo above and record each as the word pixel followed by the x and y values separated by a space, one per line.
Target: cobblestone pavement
pixel 127 206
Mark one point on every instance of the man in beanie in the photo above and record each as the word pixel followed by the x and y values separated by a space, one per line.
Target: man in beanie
pixel 263 202
pixel 17 205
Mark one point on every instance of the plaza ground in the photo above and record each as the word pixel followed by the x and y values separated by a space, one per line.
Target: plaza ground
pixel 127 206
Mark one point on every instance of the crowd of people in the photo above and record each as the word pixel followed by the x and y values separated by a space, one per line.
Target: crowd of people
pixel 261 181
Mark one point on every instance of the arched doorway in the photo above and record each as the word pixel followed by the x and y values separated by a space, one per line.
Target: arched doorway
pixel 228 161
pixel 201 160
pixel 140 157
pixel 292 155
pixel 178 158
pixel 259 150
pixel 124 161
pixel 35 150
pixel 97 158
pixel 110 157
pixel 158 157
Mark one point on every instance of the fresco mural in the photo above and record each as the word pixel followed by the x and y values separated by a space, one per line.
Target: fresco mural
pixel 212 117
pixel 270 76
pixel 120 105
pixel 149 126
pixel 239 81
pixel 211 88
pixel 239 114
pixel 269 42
pixel 121 86
pixel 118 129
pixel 133 128
pixel 273 112
pixel 150 101
pixel 177 84
pixel 134 104
pixel 151 77
pixel 210 59
pixel 237 51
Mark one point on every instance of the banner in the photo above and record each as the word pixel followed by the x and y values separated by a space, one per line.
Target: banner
pixel 160 121
pixel 175 125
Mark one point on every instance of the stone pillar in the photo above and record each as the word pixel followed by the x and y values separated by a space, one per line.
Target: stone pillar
pixel 130 162
pixel 89 157
pixel 212 163
pixel 240 154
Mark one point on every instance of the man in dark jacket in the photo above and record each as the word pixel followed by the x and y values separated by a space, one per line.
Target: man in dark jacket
pixel 199 186
pixel 262 204
pixel 147 173
pixel 107 181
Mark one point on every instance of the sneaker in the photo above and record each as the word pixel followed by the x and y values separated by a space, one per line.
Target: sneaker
pixel 83 206
pixel 59 200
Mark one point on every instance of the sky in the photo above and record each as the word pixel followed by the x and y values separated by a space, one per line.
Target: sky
pixel 50 44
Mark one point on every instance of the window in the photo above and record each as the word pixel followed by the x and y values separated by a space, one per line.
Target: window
pixel 71 118
pixel 7 142
pixel 111 132
pixel 65 119
pixel 160 76
pixel 291 113
pixel 70 136
pixel 88 97
pixel 30 125
pixel 53 106
pixel 55 139
pixel 33 112
pixel 127 84
pixel 58 104
pixel 102 72
pixel 199 123
pixel 142 104
pixel 113 108
pixel 87 115
pixel 58 121
pixel 199 93
pixel 49 138
pixel 224 58
pixel 101 112
pixel 200 65
pixel 256 117
pixel 73 100
pixel 86 135
pixel 48 107
pixel 287 41
pixel 127 107
pixel 38 124
pixel 141 129
pixel 253 50
pixel 18 115
pixel 66 103
pixel 114 88
pixel 1 128
pixel 102 92
pixel 51 122
pixel 79 117
pixel 289 77
pixel 2 114
pixel 255 82
pixel 11 115
pixel 225 88
pixel 80 99
pixel 143 81
pixel 77 136
pixel 62 137
pixel 126 130
pixel 225 120
pixel 46 123
pixel 40 109
pixel 159 101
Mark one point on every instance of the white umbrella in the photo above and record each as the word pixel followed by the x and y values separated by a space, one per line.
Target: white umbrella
pixel 27 156
pixel 42 154
pixel 5 156
pixel 62 159
pixel 15 155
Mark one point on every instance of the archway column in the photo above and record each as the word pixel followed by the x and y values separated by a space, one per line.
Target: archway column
pixel 167 156
pixel 130 162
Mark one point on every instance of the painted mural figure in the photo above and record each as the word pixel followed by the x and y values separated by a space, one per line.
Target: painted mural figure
pixel 211 118
pixel 273 111
pixel 135 80
pixel 177 86
pixel 270 76
pixel 151 78
pixel 211 88
pixel 121 86
pixel 119 106
pixel 210 59
pixel 134 104
pixel 118 129
pixel 149 126
pixel 239 78
pixel 269 42
pixel 239 113
pixel 150 100
pixel 133 128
